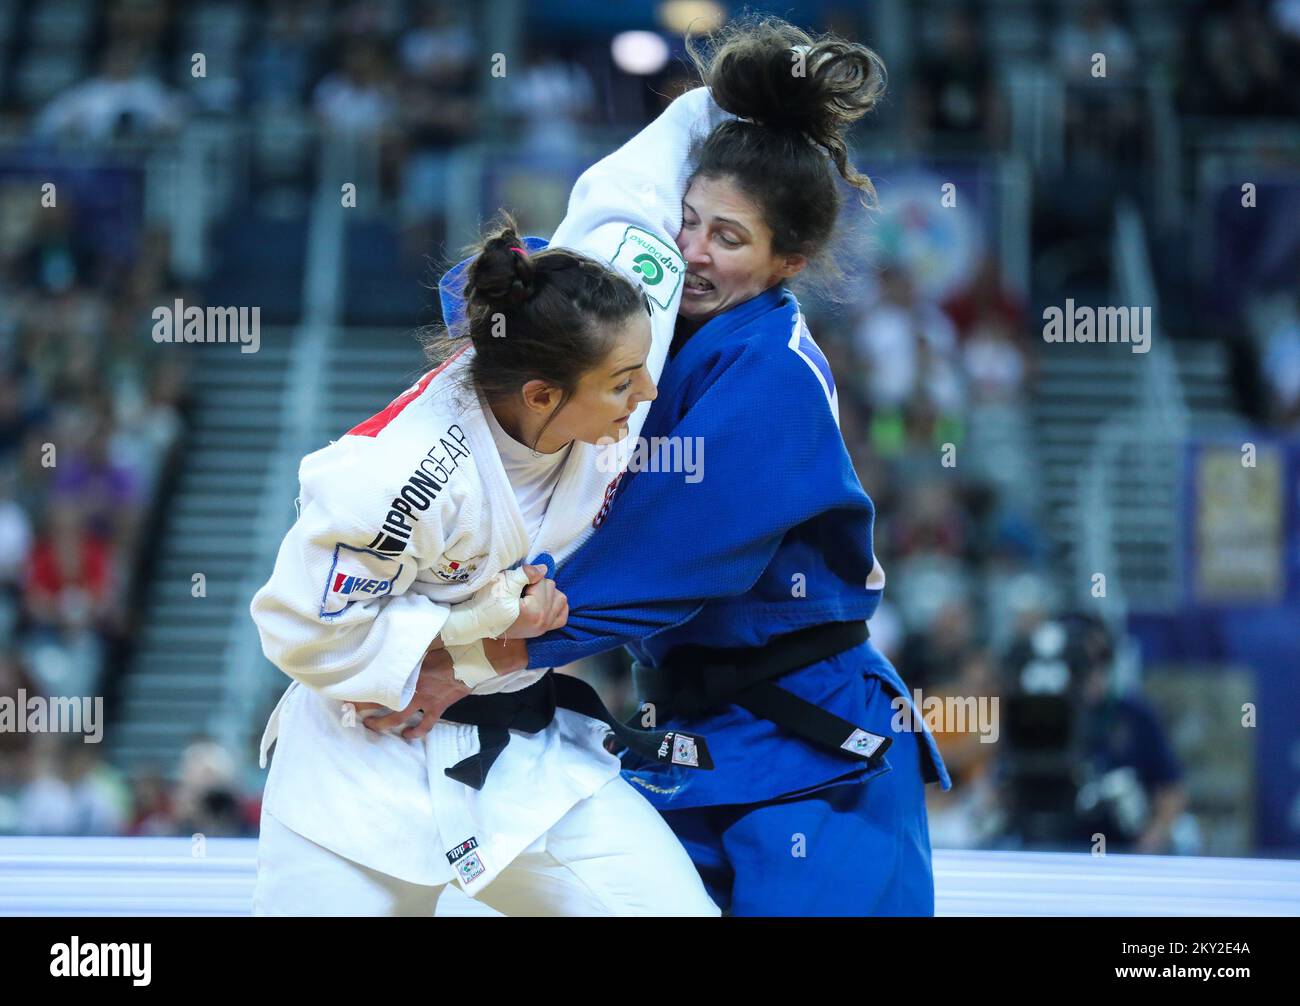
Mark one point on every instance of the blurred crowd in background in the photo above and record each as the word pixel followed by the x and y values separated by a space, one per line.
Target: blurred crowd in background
pixel 969 564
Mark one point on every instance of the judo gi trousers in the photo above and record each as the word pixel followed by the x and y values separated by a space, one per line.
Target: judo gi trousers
pixel 610 855
pixel 857 848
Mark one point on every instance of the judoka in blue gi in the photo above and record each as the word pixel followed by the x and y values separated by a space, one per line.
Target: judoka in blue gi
pixel 775 537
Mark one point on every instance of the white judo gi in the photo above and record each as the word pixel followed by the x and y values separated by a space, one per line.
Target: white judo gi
pixel 410 513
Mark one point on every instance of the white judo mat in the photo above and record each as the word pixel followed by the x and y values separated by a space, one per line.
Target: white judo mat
pixel 174 876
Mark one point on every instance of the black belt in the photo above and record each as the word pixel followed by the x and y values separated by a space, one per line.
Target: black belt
pixel 531 709
pixel 698 679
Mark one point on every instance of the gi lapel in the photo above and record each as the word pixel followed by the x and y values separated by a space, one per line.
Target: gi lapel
pixel 574 502
pixel 708 338
pixel 506 522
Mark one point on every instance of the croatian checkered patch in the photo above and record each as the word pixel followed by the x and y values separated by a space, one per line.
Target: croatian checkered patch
pixel 685 751
pixel 457 570
pixel 862 743
pixel 356 574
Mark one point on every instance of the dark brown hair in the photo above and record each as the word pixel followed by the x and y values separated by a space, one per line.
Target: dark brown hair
pixel 796 96
pixel 551 316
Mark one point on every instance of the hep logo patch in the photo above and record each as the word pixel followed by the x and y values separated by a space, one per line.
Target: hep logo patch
pixel 344 585
pixel 357 575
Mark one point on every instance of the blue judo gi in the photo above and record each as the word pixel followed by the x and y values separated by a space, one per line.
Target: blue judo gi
pixel 771 534
pixel 774 534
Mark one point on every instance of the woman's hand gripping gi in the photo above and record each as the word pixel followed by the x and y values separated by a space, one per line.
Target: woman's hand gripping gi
pixel 540 607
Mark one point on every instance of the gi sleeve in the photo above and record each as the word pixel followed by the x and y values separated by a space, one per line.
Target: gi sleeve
pixel 626 209
pixel 770 457
pixel 339 617
pixel 640 184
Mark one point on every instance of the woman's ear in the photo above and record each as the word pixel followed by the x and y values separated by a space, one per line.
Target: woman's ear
pixel 540 396
pixel 790 265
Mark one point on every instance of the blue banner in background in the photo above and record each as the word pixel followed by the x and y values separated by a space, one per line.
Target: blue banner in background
pixel 1241 606
pixel 1256 249
pixel 106 200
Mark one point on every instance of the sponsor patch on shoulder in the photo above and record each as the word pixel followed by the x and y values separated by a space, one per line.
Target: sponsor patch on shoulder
pixel 656 263
pixel 356 574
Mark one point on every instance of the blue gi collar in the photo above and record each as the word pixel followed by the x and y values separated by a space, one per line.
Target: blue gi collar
pixel 714 333
pixel 740 316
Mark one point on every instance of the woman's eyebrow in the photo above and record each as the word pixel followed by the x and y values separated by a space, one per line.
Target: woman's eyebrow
pixel 734 223
pixel 722 220
pixel 635 366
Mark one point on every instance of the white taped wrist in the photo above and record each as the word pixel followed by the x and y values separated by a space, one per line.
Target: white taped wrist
pixel 470 665
pixel 488 613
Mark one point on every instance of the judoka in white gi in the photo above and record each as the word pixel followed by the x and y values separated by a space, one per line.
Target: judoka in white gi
pixel 408 529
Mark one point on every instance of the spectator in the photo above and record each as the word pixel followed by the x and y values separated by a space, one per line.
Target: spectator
pixel 45 802
pixel 69 791
pixel 1094 31
pixel 955 101
pixel 280 61
pixel 1235 65
pixel 106 491
pixel 969 815
pixel 153 811
pixel 1135 794
pixel 70 603
pixel 908 346
pixel 1277 319
pixel 439 110
pixel 15 684
pixel 100 801
pixel 990 328
pixel 207 795
pixel 551 99
pixel 933 655
pixel 121 102
pixel 360 99
pixel 15 548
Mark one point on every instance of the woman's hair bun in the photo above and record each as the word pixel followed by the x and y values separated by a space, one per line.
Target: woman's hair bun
pixel 778 76
pixel 503 274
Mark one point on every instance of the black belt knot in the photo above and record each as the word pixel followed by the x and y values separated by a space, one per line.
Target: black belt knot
pixel 531 710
